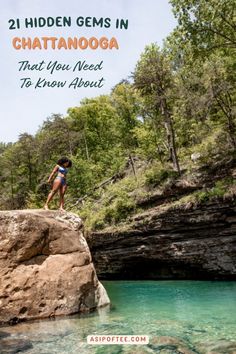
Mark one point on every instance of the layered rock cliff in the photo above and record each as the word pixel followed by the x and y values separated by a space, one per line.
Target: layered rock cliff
pixel 45 266
pixel 198 242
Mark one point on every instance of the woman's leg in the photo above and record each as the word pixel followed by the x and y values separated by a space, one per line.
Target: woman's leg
pixel 55 187
pixel 62 193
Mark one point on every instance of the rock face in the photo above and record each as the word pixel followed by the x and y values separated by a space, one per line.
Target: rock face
pixel 194 243
pixel 45 266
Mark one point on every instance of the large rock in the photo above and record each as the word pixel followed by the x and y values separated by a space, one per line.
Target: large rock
pixel 165 243
pixel 45 266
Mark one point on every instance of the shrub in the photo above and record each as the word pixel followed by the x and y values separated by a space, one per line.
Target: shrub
pixel 157 176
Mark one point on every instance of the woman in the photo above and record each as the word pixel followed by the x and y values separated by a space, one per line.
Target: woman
pixel 59 183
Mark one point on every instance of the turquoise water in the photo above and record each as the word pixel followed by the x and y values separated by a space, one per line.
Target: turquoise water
pixel 178 316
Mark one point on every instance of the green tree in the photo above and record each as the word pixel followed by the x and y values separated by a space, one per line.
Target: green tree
pixel 207 25
pixel 205 95
pixel 126 102
pixel 154 78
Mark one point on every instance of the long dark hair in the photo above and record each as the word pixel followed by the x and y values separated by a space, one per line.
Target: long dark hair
pixel 63 160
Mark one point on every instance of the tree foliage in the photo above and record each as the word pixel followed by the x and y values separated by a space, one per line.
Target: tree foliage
pixel 207 25
pixel 181 100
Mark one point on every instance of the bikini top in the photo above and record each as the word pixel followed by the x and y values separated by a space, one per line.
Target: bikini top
pixel 62 170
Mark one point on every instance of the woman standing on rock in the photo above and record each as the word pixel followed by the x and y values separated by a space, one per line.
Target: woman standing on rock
pixel 59 183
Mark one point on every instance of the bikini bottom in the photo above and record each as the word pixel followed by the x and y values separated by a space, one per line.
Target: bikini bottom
pixel 63 180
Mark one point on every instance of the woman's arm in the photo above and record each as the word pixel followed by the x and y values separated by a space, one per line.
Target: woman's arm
pixel 53 173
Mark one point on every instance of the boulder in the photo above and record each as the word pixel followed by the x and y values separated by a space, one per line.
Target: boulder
pixel 46 267
pixel 166 344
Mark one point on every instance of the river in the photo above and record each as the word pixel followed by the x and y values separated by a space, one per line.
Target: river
pixel 178 316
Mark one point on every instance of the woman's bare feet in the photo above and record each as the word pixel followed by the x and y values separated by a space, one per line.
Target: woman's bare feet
pixel 45 207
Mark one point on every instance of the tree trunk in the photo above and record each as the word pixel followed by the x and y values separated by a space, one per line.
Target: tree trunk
pixel 30 171
pixel 230 120
pixel 225 103
pixel 86 146
pixel 231 129
pixel 12 190
pixel 170 134
pixel 69 141
pixel 132 164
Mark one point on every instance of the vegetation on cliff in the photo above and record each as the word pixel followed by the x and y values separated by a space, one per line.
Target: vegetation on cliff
pixel 167 129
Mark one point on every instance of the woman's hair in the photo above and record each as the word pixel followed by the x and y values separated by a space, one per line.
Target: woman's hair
pixel 64 160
